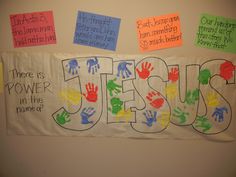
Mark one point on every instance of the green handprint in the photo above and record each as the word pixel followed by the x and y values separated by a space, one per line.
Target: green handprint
pixel 63 118
pixel 192 96
pixel 204 76
pixel 180 114
pixel 202 121
pixel 113 87
pixel 117 105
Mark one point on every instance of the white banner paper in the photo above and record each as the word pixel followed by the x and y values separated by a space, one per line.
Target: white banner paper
pixel 121 96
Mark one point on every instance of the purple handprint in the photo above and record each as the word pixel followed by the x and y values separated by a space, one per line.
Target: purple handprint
pixel 93 65
pixel 123 70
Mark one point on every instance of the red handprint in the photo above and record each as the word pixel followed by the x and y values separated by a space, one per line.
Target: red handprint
pixel 91 95
pixel 173 74
pixel 226 70
pixel 146 69
pixel 155 100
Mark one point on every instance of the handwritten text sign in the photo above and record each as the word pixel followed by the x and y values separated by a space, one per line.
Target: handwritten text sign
pixel 159 32
pixel 32 29
pixel 96 30
pixel 217 33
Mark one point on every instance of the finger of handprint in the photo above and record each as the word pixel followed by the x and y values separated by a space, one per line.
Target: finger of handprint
pixel 92 113
pixel 145 115
pixel 138 71
pixel 154 93
pixel 89 109
pixel 110 91
pixel 87 87
pixel 118 74
pixel 93 70
pixel 85 95
pixel 146 64
pixel 96 88
pixel 89 70
pixel 155 114
pixel 84 110
pixel 127 73
pixel 149 65
pixel 150 113
pixel 149 98
pixel 96 69
pixel 123 74
pixel 98 65
pixel 176 70
pixel 117 90
pixel 150 94
pixel 92 87
pixel 128 63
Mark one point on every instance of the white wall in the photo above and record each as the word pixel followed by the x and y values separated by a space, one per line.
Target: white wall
pixel 28 156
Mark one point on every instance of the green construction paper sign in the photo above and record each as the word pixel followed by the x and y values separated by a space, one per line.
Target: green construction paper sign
pixel 216 32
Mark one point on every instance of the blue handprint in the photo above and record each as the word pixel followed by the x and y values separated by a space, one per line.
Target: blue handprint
pixel 73 66
pixel 219 114
pixel 123 70
pixel 93 65
pixel 86 114
pixel 150 117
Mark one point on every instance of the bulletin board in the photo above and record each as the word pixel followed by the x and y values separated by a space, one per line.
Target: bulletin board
pixel 151 75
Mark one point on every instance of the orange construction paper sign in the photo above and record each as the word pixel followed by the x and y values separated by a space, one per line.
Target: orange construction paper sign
pixel 33 29
pixel 159 32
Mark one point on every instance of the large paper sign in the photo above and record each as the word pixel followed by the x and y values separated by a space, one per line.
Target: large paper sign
pixel 216 32
pixel 33 29
pixel 96 30
pixel 123 96
pixel 159 32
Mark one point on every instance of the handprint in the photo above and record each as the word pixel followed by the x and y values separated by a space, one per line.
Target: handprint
pixel 155 100
pixel 113 87
pixel 219 114
pixel 164 119
pixel 73 66
pixel 226 70
pixel 204 76
pixel 192 96
pixel 151 117
pixel 71 95
pixel 202 122
pixel 91 95
pixel 63 118
pixel 86 114
pixel 146 69
pixel 123 70
pixel 93 65
pixel 117 105
pixel 173 74
pixel 171 91
pixel 180 114
pixel 124 114
pixel 212 99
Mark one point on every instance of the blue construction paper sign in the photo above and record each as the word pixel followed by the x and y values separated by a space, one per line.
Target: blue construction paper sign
pixel 96 30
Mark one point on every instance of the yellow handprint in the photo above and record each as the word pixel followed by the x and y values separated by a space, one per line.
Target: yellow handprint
pixel 171 91
pixel 71 96
pixel 164 119
pixel 212 99
pixel 124 114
